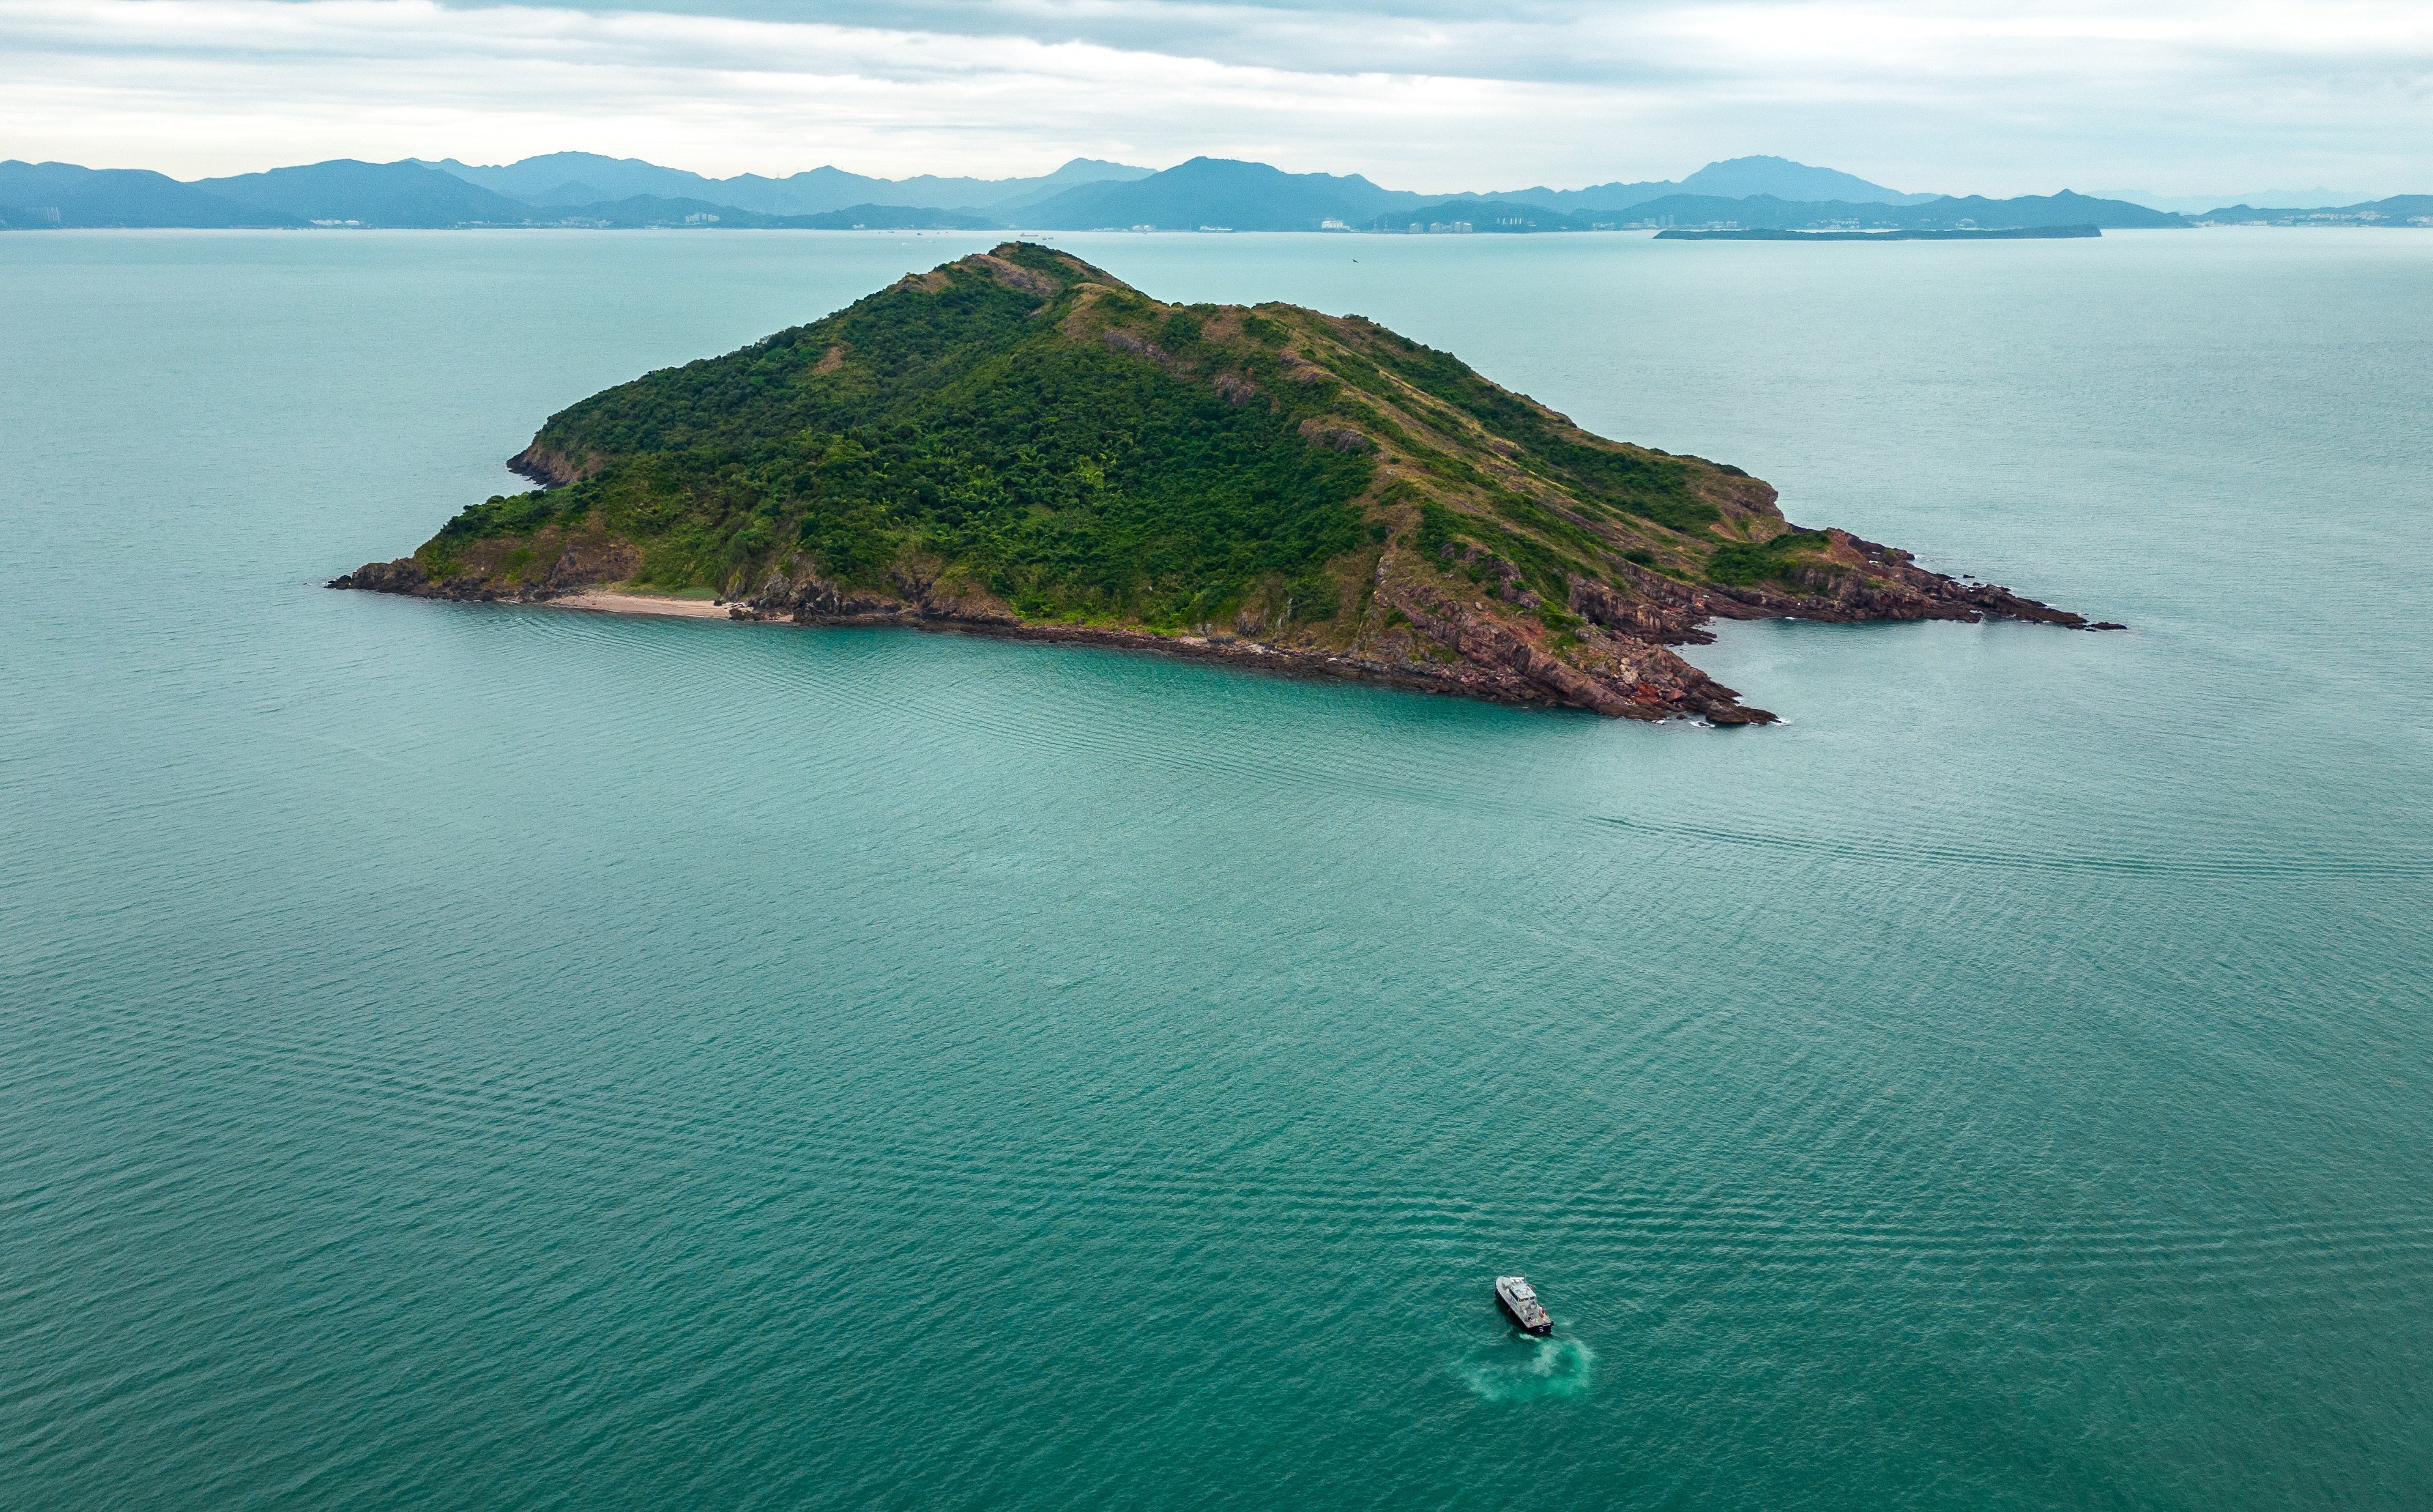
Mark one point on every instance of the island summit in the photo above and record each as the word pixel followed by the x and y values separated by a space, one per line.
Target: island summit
pixel 1018 443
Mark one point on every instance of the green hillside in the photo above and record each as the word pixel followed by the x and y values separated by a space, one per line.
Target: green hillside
pixel 1018 441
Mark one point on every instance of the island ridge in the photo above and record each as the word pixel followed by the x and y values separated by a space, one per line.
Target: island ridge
pixel 1019 443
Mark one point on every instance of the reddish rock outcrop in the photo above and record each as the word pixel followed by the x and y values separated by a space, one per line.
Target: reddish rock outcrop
pixel 551 468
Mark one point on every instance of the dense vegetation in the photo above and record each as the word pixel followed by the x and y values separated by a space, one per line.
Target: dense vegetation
pixel 1068 478
pixel 1025 430
pixel 1745 564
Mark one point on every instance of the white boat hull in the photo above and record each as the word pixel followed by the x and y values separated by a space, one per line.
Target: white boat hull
pixel 1519 1303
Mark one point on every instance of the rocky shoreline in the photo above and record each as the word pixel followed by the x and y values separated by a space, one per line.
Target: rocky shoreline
pixel 1631 674
pixel 405 578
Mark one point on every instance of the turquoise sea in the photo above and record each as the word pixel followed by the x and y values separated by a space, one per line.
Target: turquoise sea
pixel 461 1057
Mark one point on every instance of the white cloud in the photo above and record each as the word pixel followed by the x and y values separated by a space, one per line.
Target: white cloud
pixel 221 84
pixel 1992 96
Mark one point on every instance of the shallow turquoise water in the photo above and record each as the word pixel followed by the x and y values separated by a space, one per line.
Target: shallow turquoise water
pixel 482 1058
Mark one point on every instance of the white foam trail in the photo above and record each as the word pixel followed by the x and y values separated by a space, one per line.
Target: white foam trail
pixel 1529 1369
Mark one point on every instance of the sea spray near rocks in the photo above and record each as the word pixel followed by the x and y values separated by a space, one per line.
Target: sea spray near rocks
pixel 1529 1369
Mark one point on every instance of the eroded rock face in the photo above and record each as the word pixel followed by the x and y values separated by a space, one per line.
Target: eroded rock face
pixel 553 563
pixel 1625 678
pixel 801 596
pixel 1645 619
pixel 1856 581
pixel 1335 437
pixel 587 561
pixel 404 575
pixel 549 469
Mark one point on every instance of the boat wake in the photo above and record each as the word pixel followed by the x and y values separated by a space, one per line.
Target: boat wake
pixel 1528 1370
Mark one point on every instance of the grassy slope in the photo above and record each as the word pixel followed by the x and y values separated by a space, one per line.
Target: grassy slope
pixel 1018 434
pixel 1095 453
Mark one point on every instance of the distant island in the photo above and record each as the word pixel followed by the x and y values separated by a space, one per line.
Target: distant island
pixel 1018 443
pixel 1963 233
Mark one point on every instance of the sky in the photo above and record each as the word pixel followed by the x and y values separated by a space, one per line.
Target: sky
pixel 1994 96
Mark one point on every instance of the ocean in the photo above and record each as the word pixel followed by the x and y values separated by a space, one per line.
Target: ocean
pixel 481 1057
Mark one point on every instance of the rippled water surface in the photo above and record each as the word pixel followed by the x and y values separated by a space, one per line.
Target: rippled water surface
pixel 475 1057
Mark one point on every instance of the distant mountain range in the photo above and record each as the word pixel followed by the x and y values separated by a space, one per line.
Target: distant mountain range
pixel 369 194
pixel 2399 210
pixel 536 192
pixel 41 195
pixel 577 178
pixel 581 189
pixel 1735 178
pixel 1767 213
pixel 2272 199
pixel 1218 192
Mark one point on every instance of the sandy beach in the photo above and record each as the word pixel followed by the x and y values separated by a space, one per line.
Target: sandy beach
pixel 640 604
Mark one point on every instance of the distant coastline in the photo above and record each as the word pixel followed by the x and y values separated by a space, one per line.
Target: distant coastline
pixel 1963 233
pixel 582 191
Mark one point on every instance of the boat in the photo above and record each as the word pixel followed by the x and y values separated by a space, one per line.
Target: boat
pixel 1521 1301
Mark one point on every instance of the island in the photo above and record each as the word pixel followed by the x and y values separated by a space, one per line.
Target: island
pixel 1018 443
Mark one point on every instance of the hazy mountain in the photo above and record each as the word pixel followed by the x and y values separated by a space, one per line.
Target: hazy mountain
pixel 1732 178
pixel 371 194
pixel 2064 209
pixel 1740 177
pixel 576 189
pixel 587 178
pixel 2259 200
pixel 38 194
pixel 558 178
pixel 1943 212
pixel 540 181
pixel 997 193
pixel 1764 212
pixel 1247 196
pixel 2399 210
pixel 1074 174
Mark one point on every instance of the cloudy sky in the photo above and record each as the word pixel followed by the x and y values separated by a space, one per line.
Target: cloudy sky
pixel 2000 97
